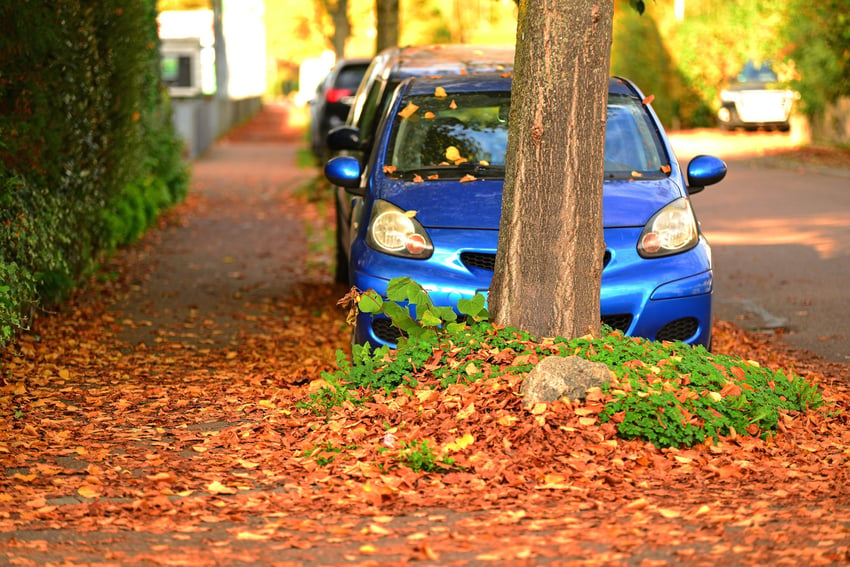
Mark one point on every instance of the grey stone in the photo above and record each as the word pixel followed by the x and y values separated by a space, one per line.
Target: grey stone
pixel 556 377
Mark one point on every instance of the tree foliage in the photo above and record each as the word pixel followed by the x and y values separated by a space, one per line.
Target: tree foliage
pixel 89 155
pixel 819 35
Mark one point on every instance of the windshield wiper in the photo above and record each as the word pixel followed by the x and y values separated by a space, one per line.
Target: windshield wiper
pixel 449 171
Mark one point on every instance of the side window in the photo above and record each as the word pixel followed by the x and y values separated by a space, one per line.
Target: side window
pixel 367 121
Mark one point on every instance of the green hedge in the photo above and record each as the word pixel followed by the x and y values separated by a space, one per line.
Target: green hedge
pixel 88 155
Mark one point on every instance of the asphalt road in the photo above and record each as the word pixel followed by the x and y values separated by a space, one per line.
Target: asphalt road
pixel 781 241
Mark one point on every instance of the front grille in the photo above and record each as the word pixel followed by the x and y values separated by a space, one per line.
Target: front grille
pixel 385 330
pixel 488 261
pixel 478 260
pixel 678 330
pixel 620 322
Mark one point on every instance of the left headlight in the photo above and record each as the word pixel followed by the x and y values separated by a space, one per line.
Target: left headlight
pixel 396 232
pixel 671 230
pixel 729 96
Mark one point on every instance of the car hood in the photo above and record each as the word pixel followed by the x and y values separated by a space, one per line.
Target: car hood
pixel 478 204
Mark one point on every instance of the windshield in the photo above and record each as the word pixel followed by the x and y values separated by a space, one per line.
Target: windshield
pixel 443 137
pixel 757 73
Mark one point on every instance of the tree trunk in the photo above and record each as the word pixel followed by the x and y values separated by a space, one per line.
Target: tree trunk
pixel 342 28
pixel 386 12
pixel 338 12
pixel 551 248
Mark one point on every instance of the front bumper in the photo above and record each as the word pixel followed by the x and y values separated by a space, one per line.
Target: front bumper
pixel 666 298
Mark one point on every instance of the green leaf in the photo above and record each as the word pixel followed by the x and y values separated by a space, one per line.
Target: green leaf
pixel 397 288
pixel 430 319
pixel 370 302
pixel 474 307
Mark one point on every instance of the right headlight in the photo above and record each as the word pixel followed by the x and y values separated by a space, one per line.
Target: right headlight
pixel 396 232
pixel 671 230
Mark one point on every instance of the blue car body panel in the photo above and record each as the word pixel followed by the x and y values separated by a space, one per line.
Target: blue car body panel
pixel 648 296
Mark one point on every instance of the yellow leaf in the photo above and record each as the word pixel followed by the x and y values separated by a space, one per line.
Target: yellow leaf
pixel 466 412
pixel 216 487
pixel 410 214
pixel 715 396
pixel 461 443
pixel 538 408
pixel 251 536
pixel 378 530
pixel 87 491
pixel 440 92
pixel 368 549
pixel 507 420
pixel 467 178
pixel 430 115
pixel 471 369
pixel 669 514
pixel 452 153
pixel 587 420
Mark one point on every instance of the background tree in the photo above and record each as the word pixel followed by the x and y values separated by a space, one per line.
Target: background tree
pixel 818 34
pixel 386 14
pixel 338 12
pixel 549 261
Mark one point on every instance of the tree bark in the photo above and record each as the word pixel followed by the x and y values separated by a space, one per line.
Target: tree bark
pixel 551 248
pixel 386 12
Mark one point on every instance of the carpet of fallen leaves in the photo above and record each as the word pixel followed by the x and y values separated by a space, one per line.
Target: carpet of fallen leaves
pixel 129 439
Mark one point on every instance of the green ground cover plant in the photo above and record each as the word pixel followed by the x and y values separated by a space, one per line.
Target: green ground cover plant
pixel 667 393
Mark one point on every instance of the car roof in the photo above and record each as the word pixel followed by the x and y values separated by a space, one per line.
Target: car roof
pixel 439 59
pixel 352 61
pixel 495 82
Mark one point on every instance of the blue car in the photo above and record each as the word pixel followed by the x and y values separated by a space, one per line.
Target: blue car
pixel 427 205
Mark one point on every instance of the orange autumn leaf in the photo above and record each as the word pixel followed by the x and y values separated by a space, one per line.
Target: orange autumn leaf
pixel 408 110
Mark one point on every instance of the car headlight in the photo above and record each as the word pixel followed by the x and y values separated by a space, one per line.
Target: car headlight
pixel 671 230
pixel 396 232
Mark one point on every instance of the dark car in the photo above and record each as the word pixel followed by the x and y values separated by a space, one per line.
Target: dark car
pixel 755 99
pixel 330 107
pixel 387 70
pixel 430 206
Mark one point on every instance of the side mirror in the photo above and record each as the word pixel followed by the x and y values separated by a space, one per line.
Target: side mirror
pixel 344 138
pixel 344 171
pixel 704 171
